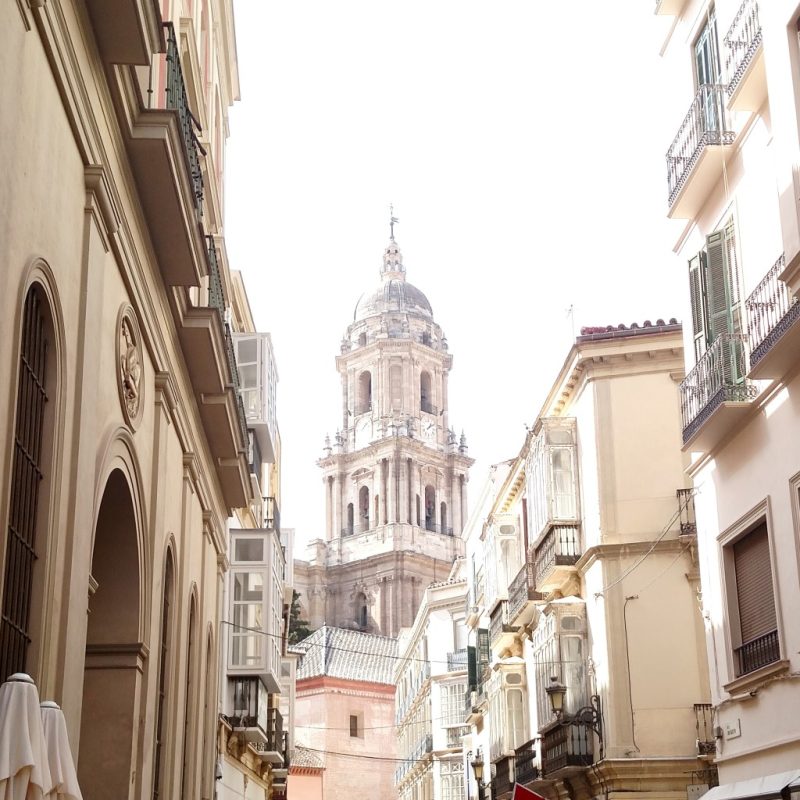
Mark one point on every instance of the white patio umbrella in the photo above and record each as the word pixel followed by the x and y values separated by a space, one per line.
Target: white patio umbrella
pixel 24 767
pixel 62 766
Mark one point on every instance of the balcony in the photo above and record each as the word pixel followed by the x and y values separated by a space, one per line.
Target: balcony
pixel 503 780
pixel 261 726
pixel 670 8
pixel 686 515
pixel 772 316
pixel 127 31
pixel 757 653
pixel 744 60
pixel 501 633
pixel 161 135
pixel 208 351
pixel 272 515
pixel 695 158
pixel 566 749
pixel 273 749
pixel 472 706
pixel 525 767
pixel 555 556
pixel 715 395
pixel 704 725
pixel 258 378
pixel 522 594
pixel 457 660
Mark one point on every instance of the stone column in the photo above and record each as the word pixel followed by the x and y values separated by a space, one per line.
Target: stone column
pixel 326 482
pixel 403 516
pixel 391 492
pixel 337 505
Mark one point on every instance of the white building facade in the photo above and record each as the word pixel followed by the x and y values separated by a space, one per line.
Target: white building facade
pixel 733 186
pixel 431 679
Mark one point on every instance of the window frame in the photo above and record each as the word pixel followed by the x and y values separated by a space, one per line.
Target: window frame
pixel 746 524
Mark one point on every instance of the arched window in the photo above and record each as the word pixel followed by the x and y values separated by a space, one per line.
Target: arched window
pixel 364 393
pixel 443 518
pixel 430 508
pixel 26 536
pixel 363 508
pixel 425 393
pixel 362 339
pixel 164 663
pixel 361 611
pixel 348 531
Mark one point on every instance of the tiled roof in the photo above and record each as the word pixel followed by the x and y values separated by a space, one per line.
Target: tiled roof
pixel 302 757
pixel 351 655
pixel 621 331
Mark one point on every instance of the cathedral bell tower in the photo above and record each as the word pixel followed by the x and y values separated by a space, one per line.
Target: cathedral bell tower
pixel 395 474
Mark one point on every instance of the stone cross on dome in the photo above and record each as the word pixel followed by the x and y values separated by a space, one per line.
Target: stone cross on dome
pixel 392 220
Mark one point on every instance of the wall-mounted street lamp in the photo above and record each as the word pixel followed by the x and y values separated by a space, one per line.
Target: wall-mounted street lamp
pixel 590 716
pixel 477 769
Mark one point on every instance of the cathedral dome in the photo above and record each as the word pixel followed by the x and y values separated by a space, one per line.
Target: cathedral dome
pixel 393 295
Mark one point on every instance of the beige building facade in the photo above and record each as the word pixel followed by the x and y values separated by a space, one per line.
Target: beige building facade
pixel 733 192
pixel 583 584
pixel 395 475
pixel 122 430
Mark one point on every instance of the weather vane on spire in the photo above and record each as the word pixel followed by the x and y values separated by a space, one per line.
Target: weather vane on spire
pixel 392 220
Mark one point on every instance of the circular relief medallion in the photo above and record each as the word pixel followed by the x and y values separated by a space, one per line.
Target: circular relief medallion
pixel 129 358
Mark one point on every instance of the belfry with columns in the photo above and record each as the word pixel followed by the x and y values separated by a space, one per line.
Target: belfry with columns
pixel 395 474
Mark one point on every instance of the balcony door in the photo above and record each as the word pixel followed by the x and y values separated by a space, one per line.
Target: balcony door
pixel 707 72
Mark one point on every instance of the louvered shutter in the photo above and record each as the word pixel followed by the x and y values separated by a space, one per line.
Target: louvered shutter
pixel 734 284
pixel 717 298
pixel 754 589
pixel 697 290
pixel 483 652
pixel 472 669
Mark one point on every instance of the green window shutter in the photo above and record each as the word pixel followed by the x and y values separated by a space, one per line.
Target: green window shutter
pixel 717 286
pixel 697 290
pixel 734 284
pixel 472 669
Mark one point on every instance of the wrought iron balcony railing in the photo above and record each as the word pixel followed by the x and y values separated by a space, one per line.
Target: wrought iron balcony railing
pixel 457 660
pixel 566 746
pixel 498 622
pixel 254 454
pixel 741 43
pixel 525 767
pixel 560 547
pixel 522 590
pixel 234 370
pixel 704 125
pixel 503 780
pixel 178 100
pixel 216 297
pixel 718 377
pixel 686 511
pixel 770 312
pixel 272 514
pixel 758 653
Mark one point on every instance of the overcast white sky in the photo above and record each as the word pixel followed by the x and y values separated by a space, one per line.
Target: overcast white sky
pixel 522 143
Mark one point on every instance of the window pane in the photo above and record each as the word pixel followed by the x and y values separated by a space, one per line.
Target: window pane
pixel 248 351
pixel 248 550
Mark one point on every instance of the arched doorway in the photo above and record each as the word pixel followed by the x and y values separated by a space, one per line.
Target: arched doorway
pixel 430 508
pixel 112 673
